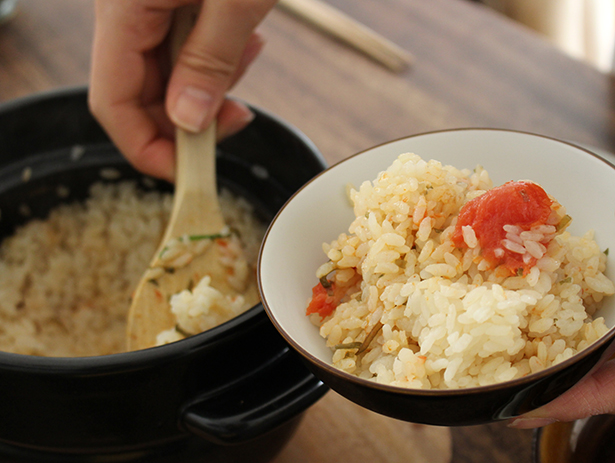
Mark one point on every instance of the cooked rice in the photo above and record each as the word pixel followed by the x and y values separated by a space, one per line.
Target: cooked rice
pixel 66 281
pixel 440 316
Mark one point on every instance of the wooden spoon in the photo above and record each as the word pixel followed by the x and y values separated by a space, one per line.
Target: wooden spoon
pixel 196 212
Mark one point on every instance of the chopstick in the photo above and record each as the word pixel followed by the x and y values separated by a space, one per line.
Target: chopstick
pixel 339 25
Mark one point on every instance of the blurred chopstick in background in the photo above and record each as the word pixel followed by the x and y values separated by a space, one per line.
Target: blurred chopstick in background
pixel 339 25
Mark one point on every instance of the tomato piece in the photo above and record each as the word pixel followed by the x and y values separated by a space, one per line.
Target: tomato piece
pixel 524 204
pixel 324 301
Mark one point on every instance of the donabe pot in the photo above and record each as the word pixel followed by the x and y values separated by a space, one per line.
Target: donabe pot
pixel 238 383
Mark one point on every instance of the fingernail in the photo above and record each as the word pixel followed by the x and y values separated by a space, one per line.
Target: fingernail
pixel 242 117
pixel 530 423
pixel 244 113
pixel 191 109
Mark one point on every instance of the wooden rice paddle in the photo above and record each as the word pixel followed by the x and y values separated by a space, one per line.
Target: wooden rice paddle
pixel 196 211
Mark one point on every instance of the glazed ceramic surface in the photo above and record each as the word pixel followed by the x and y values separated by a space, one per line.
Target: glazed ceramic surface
pixel 238 383
pixel 579 179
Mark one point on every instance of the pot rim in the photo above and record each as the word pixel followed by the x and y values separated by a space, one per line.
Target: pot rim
pixel 149 356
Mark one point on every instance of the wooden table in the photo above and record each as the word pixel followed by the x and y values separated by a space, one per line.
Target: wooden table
pixel 473 68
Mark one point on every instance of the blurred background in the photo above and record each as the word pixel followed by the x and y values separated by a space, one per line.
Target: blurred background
pixel 585 29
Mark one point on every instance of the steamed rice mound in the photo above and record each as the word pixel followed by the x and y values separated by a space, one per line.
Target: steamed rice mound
pixel 419 312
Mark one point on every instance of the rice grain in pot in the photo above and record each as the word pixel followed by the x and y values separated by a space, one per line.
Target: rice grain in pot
pixel 416 295
pixel 66 281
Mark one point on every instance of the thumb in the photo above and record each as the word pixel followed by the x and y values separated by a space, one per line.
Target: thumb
pixel 210 59
pixel 594 395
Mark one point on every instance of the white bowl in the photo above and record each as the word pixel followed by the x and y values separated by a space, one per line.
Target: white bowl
pixel 292 250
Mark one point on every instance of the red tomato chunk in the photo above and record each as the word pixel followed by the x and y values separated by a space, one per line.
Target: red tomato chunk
pixel 524 204
pixel 324 301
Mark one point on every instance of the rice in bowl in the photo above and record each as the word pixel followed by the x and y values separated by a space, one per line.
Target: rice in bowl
pixel 66 281
pixel 402 302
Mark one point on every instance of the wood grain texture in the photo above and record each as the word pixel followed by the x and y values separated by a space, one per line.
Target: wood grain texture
pixel 46 46
pixel 338 430
pixel 472 68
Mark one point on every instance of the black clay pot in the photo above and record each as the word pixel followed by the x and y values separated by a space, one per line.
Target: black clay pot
pixel 233 393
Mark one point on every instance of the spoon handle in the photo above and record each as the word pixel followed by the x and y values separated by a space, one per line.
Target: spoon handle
pixel 196 200
pixel 196 207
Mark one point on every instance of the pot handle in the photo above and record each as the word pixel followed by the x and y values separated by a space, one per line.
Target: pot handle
pixel 255 403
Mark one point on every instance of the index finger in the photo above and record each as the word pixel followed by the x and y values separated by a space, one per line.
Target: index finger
pixel 127 85
pixel 207 64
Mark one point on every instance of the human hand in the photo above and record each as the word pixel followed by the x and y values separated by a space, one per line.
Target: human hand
pixel 594 395
pixel 139 98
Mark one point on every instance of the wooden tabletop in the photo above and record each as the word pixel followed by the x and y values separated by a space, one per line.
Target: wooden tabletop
pixel 472 68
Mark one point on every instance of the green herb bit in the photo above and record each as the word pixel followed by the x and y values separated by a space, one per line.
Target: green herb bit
pixel 370 337
pixel 326 283
pixel 213 236
pixel 606 252
pixel 563 223
pixel 565 280
pixel 350 345
pixel 183 332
